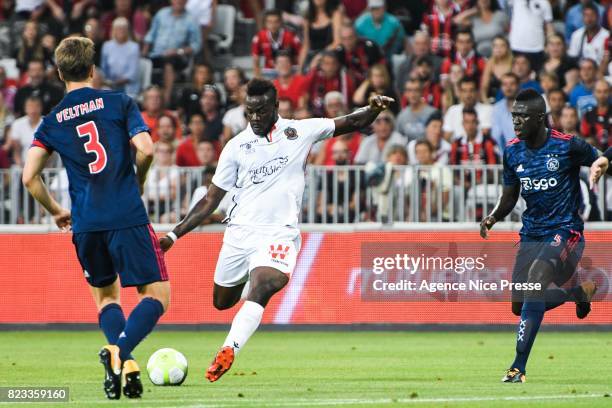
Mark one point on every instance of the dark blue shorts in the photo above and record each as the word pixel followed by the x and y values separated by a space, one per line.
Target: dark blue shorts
pixel 132 253
pixel 562 249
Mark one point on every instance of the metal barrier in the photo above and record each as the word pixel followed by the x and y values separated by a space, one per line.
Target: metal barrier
pixel 334 194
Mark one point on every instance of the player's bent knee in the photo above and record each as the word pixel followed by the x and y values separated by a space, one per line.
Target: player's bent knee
pixel 221 304
pixel 159 291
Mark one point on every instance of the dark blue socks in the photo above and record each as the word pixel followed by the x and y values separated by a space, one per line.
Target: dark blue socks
pixel 531 318
pixel 141 322
pixel 112 322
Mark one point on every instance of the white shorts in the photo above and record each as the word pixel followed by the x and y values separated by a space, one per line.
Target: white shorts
pixel 246 248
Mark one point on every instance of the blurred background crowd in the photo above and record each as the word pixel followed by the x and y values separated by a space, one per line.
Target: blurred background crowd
pixel 453 68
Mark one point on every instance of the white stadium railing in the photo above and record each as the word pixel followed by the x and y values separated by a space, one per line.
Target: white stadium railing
pixel 368 195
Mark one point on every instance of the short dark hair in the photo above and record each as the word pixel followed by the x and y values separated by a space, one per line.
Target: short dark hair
pixel 530 95
pixel 592 6
pixel 465 30
pixel 559 91
pixel 468 80
pixel 283 53
pixel 434 116
pixel 260 87
pixel 272 12
pixel 424 142
pixel 35 97
pixel 424 60
pixel 513 76
pixel 470 111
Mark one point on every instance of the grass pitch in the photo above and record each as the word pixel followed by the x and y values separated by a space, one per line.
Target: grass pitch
pixel 295 369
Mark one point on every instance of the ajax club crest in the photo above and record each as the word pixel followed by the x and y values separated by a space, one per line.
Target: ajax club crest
pixel 291 133
pixel 552 164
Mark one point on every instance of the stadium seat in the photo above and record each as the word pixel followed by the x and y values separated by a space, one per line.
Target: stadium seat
pixel 222 34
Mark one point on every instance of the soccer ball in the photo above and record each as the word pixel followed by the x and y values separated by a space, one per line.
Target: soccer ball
pixel 167 367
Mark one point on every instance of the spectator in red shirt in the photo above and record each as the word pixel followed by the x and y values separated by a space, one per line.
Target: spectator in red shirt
pixel 153 110
pixel 596 123
pixel 440 25
pixel 424 72
pixel 269 41
pixel 328 76
pixel 287 84
pixel 357 54
pixel 186 153
pixel 473 65
pixel 123 8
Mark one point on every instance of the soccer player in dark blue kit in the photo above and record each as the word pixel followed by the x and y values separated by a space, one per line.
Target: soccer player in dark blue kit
pixel 543 166
pixel 94 131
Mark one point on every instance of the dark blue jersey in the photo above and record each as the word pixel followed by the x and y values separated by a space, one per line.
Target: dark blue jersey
pixel 549 179
pixel 91 131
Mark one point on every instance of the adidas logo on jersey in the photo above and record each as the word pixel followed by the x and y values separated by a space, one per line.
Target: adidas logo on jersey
pixel 520 168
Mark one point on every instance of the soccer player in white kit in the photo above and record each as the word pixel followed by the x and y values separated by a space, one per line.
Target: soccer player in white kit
pixel 263 166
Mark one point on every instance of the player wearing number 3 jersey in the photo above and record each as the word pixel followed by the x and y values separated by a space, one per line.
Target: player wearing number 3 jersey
pixel 94 131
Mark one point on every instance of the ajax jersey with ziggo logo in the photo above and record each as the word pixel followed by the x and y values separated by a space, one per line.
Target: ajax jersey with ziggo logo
pixel 549 180
pixel 265 174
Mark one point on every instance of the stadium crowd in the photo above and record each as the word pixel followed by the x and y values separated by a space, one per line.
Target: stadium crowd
pixel 453 68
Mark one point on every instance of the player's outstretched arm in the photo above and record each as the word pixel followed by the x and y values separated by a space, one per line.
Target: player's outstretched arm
pixel 35 162
pixel 144 156
pixel 204 208
pixel 504 206
pixel 362 117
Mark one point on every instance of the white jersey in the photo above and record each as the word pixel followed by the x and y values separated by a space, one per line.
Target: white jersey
pixel 266 174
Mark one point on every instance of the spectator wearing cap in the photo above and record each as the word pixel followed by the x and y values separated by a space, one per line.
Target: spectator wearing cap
pixel 272 39
pixel 382 28
pixel 502 130
pixel 356 54
pixel 210 106
pixel 328 76
pixel 171 42
pixel 374 147
pixel 154 109
pixel 591 40
pixel 38 86
pixel 118 56
pixel 289 85
pixel 412 119
pixel 433 135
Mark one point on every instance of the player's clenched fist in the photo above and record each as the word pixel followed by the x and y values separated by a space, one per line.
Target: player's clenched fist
pixel 379 103
pixel 486 224
pixel 165 243
pixel 63 220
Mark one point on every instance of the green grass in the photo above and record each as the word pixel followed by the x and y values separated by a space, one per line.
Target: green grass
pixel 287 369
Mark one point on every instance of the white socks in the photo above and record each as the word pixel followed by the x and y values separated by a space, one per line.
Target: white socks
pixel 244 325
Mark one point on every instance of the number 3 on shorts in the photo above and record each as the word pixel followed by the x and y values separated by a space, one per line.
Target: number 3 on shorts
pixel 93 146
